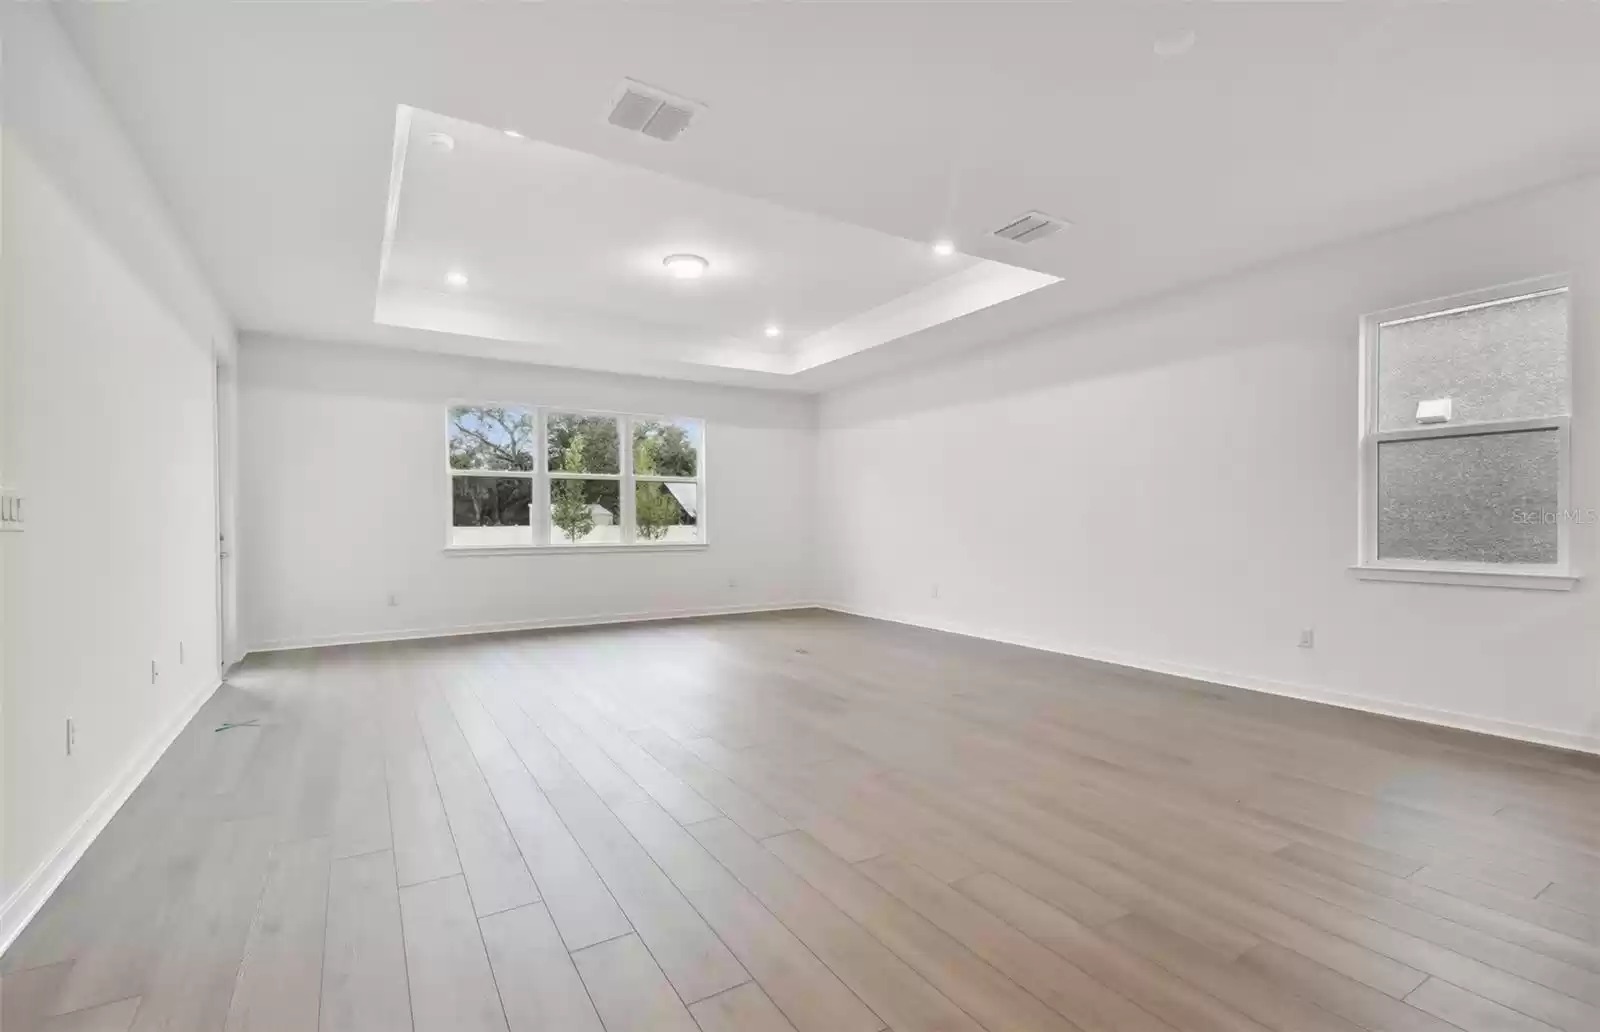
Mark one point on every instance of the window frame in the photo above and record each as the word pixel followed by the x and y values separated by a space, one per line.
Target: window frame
pixel 542 476
pixel 1558 576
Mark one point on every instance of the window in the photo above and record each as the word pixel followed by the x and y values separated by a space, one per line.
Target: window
pixel 588 490
pixel 1464 453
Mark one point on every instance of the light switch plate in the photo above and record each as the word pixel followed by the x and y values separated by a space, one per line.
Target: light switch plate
pixel 11 509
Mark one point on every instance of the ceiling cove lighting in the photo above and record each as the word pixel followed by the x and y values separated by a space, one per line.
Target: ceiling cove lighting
pixel 686 266
pixel 456 278
pixel 944 248
pixel 774 330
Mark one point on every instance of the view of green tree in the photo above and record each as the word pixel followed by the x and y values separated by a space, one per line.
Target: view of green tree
pixel 488 437
pixel 490 501
pixel 569 507
pixel 493 438
pixel 600 451
pixel 655 510
pixel 663 450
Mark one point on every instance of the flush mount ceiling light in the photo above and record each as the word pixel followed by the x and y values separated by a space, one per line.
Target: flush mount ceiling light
pixel 456 278
pixel 774 330
pixel 1175 45
pixel 944 248
pixel 686 266
pixel 444 143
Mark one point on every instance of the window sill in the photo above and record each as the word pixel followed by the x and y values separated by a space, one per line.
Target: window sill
pixel 466 550
pixel 1471 577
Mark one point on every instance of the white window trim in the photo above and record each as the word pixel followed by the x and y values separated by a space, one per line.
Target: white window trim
pixel 1559 576
pixel 539 518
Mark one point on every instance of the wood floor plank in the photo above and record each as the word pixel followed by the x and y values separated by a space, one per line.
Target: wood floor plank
pixel 1539 911
pixel 629 990
pixel 579 903
pixel 1464 901
pixel 674 795
pixel 496 876
pixel 1344 996
pixel 818 824
pixel 539 986
pixel 28 995
pixel 694 960
pixel 744 1008
pixel 1235 986
pixel 969 981
pixel 1182 1005
pixel 423 847
pixel 895 992
pixel 364 982
pixel 1070 991
pixel 361 803
pixel 108 1017
pixel 280 981
pixel 802 986
pixel 1469 1011
pixel 755 817
pixel 452 987
pixel 844 839
pixel 1583 898
pixel 194 978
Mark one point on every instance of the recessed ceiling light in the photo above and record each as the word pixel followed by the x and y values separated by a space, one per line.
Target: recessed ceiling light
pixel 456 278
pixel 513 134
pixel 774 330
pixel 1175 45
pixel 444 143
pixel 686 266
pixel 944 248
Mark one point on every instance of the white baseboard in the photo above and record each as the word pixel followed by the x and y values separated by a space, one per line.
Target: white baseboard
pixel 31 895
pixel 548 623
pixel 1309 693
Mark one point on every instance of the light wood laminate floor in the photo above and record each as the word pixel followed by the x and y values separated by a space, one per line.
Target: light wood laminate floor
pixel 818 823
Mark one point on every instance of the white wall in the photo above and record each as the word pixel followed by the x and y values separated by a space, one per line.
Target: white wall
pixel 108 332
pixel 343 499
pixel 1173 486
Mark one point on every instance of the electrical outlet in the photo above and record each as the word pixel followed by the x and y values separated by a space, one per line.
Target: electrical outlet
pixel 1308 637
pixel 72 735
pixel 394 599
pixel 155 671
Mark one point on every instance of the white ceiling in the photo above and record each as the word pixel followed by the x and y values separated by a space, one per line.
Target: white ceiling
pixel 565 248
pixel 270 129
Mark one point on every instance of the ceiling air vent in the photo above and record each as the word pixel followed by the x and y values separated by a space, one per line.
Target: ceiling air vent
pixel 656 113
pixel 1031 228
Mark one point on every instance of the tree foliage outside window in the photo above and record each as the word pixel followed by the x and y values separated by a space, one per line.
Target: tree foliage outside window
pixel 569 508
pixel 593 496
pixel 596 436
pixel 663 449
pixel 490 437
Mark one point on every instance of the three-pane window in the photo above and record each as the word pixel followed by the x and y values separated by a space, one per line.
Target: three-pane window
pixel 587 490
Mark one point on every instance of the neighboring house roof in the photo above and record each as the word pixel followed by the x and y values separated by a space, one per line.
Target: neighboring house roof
pixel 685 494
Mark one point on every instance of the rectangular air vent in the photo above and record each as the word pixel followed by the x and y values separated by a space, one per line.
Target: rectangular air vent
pixel 655 113
pixel 1030 228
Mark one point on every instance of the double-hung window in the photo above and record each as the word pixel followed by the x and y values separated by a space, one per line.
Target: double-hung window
pixel 530 477
pixel 1465 443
